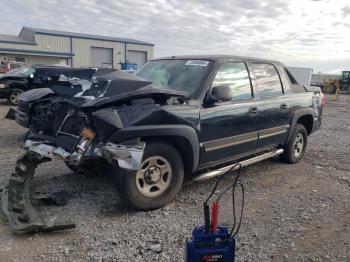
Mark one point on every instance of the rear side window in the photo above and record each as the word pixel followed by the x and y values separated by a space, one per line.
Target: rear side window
pixel 235 75
pixel 267 79
pixel 291 77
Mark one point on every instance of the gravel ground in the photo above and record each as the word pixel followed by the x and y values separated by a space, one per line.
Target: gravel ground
pixel 292 212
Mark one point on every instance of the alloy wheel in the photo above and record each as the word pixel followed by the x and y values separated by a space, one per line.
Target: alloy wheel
pixel 298 145
pixel 154 177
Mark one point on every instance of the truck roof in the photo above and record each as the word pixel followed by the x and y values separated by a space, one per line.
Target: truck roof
pixel 217 57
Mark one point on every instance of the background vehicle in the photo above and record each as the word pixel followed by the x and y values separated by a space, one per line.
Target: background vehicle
pixel 9 65
pixel 345 82
pixel 330 83
pixel 194 115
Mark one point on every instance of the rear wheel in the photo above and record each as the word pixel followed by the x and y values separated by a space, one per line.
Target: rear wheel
pixel 157 182
pixel 295 149
pixel 12 98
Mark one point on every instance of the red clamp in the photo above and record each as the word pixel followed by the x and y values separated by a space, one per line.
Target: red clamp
pixel 214 217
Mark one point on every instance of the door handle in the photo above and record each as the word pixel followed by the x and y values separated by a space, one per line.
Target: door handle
pixel 253 111
pixel 283 107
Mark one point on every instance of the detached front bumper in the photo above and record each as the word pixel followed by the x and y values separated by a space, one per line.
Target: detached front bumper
pixel 15 197
pixel 127 156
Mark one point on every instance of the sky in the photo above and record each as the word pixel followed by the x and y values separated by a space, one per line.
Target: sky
pixel 304 33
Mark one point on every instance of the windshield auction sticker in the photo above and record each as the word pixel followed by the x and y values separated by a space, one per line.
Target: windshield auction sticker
pixel 197 63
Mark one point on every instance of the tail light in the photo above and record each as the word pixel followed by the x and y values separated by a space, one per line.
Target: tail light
pixel 323 99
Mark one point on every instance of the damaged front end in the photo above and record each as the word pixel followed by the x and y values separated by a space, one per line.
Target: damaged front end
pixel 16 196
pixel 82 129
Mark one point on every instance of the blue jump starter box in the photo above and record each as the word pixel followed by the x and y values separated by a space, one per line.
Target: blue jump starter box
pixel 210 247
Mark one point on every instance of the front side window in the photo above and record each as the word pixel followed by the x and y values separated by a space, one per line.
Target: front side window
pixel 175 74
pixel 235 75
pixel 267 79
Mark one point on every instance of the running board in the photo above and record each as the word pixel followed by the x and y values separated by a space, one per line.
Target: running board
pixel 223 170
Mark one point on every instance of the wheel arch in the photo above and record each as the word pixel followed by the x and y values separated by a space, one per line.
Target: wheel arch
pixel 307 121
pixel 304 117
pixel 183 138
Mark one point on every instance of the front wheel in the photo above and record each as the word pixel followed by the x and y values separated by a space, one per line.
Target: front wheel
pixel 294 150
pixel 157 182
pixel 12 98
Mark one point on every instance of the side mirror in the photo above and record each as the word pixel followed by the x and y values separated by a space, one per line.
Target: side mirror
pixel 221 93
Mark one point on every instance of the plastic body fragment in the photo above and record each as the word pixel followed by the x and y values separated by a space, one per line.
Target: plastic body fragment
pixel 15 199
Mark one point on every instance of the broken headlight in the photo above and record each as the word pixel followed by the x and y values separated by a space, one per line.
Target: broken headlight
pixel 72 125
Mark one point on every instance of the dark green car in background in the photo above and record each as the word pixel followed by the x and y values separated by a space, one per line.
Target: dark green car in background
pixel 20 80
pixel 14 82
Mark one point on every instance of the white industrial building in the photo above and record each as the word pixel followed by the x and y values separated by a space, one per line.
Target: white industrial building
pixel 42 46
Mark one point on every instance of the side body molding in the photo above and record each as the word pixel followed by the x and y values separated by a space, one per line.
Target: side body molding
pixel 182 131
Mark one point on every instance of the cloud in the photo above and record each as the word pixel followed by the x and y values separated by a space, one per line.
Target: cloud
pixel 298 31
pixel 345 11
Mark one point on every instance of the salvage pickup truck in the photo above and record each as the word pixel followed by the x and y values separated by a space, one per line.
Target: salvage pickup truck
pixel 176 117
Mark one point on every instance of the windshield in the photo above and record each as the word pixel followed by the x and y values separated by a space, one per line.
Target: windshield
pixel 181 75
pixel 21 71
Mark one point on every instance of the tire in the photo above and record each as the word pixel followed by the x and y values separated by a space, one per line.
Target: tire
pixel 12 98
pixel 151 187
pixel 295 149
pixel 73 168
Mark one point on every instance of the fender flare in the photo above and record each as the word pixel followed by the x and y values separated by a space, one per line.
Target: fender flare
pixel 181 131
pixel 296 116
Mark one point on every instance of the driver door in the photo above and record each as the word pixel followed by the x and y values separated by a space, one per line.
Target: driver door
pixel 228 129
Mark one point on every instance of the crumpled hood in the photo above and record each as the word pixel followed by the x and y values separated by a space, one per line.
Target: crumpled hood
pixel 35 94
pixel 104 90
pixel 112 87
pixel 25 99
pixel 148 91
pixel 102 85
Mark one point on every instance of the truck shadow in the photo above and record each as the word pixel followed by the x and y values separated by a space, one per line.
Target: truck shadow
pixel 92 195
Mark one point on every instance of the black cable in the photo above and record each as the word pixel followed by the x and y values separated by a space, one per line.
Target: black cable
pixel 234 231
pixel 206 207
pixel 222 192
pixel 233 210
pixel 233 186
pixel 241 216
pixel 221 177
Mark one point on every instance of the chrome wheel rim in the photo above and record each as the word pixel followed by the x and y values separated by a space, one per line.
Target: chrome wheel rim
pixel 154 177
pixel 298 145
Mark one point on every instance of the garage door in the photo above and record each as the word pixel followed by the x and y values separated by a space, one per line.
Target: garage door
pixel 137 57
pixel 101 57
